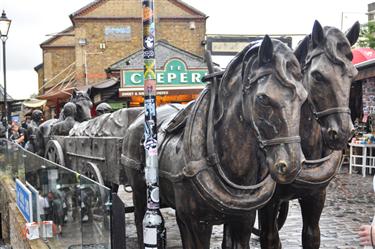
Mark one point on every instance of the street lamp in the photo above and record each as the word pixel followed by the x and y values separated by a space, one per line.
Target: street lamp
pixel 4 29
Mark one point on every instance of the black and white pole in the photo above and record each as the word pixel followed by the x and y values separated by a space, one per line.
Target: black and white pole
pixel 154 234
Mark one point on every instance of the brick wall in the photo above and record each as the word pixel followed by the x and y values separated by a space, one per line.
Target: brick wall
pixel 172 24
pixel 40 73
pixel 55 60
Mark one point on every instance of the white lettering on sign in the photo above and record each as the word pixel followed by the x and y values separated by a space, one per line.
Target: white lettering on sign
pixel 195 77
pixel 171 76
pixel 183 77
pixel 160 78
pixel 136 78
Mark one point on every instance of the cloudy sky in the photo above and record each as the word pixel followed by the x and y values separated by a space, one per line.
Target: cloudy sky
pixel 34 20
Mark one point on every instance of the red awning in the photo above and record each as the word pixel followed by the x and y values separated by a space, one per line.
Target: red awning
pixel 362 55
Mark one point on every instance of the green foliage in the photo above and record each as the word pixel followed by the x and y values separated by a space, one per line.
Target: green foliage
pixel 367 35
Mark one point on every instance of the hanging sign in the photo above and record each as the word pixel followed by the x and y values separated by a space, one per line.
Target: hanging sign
pixel 175 72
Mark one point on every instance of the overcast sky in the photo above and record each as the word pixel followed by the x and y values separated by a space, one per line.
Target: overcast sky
pixel 33 20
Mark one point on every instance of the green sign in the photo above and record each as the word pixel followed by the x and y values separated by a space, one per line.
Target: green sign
pixel 174 73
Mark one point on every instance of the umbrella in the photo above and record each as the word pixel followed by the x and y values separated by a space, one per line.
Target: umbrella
pixel 362 54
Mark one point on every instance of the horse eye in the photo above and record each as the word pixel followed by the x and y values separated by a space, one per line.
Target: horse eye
pixel 263 100
pixel 317 76
pixel 349 56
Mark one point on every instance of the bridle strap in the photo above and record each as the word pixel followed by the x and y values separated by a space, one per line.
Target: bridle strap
pixel 330 111
pixel 280 140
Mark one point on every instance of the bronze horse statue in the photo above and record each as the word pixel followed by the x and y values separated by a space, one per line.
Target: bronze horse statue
pixel 325 57
pixel 83 105
pixel 217 167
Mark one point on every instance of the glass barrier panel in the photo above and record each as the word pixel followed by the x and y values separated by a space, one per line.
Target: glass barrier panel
pixel 96 210
pixel 11 160
pixel 3 155
pixel 59 210
pixel 72 210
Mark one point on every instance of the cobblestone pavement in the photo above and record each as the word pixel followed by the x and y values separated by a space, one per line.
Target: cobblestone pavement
pixel 350 203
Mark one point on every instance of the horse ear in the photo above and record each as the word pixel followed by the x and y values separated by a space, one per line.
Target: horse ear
pixel 317 35
pixel 74 94
pixel 88 91
pixel 353 33
pixel 302 48
pixel 265 53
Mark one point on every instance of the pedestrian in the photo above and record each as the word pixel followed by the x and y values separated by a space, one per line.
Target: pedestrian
pixel 17 134
pixel 57 210
pixel 43 207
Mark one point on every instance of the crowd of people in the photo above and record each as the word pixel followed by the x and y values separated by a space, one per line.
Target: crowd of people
pixel 20 133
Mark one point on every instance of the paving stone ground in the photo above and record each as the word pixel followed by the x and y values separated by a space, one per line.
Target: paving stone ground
pixel 350 202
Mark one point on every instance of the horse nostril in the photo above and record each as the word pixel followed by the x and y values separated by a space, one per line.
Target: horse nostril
pixel 332 134
pixel 281 167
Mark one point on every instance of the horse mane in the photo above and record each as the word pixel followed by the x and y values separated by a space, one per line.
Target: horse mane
pixel 338 47
pixel 227 82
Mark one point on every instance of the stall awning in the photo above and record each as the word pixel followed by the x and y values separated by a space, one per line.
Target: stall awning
pixel 34 103
pixel 105 84
pixel 362 54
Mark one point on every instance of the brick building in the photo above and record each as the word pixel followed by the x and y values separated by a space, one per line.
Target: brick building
pixel 105 32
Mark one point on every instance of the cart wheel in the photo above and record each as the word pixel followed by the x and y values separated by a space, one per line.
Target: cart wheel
pixel 54 152
pixel 99 196
pixel 281 218
pixel 92 171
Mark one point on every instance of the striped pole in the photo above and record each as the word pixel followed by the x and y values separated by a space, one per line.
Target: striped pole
pixel 154 234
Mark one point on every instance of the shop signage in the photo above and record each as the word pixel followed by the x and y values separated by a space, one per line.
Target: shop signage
pixel 24 201
pixel 175 73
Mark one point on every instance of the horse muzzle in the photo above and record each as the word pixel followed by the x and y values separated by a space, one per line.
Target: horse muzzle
pixel 336 138
pixel 285 167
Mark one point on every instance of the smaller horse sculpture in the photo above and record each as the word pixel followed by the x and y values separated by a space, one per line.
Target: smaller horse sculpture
pixel 326 125
pixel 83 105
pixel 216 169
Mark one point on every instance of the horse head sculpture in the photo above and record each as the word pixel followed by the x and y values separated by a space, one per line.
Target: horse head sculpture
pixel 83 104
pixel 270 103
pixel 330 84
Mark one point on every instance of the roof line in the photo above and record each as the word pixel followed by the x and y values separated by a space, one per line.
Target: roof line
pixel 59 34
pixel 161 42
pixel 85 8
pixel 189 7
